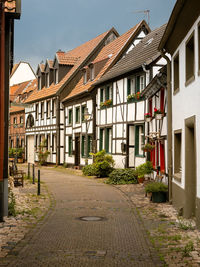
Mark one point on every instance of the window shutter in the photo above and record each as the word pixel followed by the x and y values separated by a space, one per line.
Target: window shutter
pixel 83 113
pixel 101 140
pixel 136 140
pixel 89 144
pixel 107 140
pixel 162 94
pixel 128 87
pixel 70 145
pixel 83 146
pixel 150 106
pixel 70 116
pixel 101 94
pixel 137 87
pixel 162 158
pixel 152 156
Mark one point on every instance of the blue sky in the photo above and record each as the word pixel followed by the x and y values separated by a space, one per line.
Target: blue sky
pixel 48 25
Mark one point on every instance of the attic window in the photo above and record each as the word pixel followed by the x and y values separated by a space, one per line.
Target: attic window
pixel 39 83
pixel 148 42
pixel 84 76
pixel 91 72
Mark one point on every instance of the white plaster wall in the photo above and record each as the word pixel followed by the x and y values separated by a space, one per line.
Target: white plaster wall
pixel 140 111
pixel 185 103
pixel 23 73
pixel 119 161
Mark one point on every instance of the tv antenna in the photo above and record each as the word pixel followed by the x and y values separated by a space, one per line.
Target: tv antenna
pixel 146 12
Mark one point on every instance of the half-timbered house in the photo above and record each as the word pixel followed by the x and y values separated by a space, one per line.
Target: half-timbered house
pixel 45 114
pixel 120 107
pixel 155 95
pixel 182 41
pixel 80 134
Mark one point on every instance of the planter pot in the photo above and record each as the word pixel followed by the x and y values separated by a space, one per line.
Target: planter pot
pixel 21 160
pixel 159 197
pixel 148 119
pixel 140 180
pixel 159 116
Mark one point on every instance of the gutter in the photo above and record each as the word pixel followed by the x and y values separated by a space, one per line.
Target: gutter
pixel 169 125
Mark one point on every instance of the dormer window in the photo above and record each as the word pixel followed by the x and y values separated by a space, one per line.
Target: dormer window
pixel 84 76
pixel 47 80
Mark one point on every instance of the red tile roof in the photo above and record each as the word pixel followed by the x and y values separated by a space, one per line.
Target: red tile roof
pixel 14 109
pixel 110 53
pixel 22 88
pixel 81 53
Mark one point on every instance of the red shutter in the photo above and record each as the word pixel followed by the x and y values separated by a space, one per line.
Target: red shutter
pixel 162 158
pixel 150 106
pixel 162 95
pixel 152 157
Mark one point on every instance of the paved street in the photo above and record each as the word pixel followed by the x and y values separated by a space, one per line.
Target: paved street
pixel 62 239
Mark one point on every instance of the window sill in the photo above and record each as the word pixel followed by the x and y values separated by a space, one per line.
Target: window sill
pixel 190 80
pixel 105 107
pixel 134 100
pixel 177 177
pixel 176 91
pixel 140 156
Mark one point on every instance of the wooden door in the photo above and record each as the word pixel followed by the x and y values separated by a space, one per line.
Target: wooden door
pixel 77 150
pixel 30 149
pixel 131 146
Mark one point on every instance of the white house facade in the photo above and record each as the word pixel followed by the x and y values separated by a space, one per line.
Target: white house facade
pixel 21 72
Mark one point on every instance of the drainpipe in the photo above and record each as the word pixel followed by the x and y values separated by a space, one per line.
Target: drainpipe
pixel 2 93
pixel 169 125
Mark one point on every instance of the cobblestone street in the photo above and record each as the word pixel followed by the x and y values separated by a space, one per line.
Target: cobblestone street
pixel 62 239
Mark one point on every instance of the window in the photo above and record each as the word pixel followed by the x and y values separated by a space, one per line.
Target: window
pixel 176 72
pixel 177 152
pixel 15 120
pixel 70 116
pixel 83 113
pixel 101 139
pixel 42 110
pixel 108 140
pixel 106 93
pixel 102 95
pixel 139 84
pixel 199 46
pixel 22 143
pixel 83 145
pixel 47 80
pixel 21 120
pixel 54 145
pixel 139 140
pixel 36 111
pixel 150 106
pixel 91 72
pixel 48 108
pixel 39 83
pixel 78 115
pixel 54 107
pixel 48 142
pixel 130 86
pixel 70 146
pixel 190 59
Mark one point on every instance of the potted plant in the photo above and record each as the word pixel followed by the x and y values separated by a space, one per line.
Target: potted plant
pixel 106 103
pixel 20 152
pixel 11 153
pixel 158 191
pixel 148 117
pixel 148 147
pixel 43 153
pixel 158 114
pixel 130 97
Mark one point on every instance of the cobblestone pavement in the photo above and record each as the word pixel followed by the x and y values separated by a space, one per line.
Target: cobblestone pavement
pixel 62 239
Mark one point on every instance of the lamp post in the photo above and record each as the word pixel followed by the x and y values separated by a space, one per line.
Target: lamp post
pixel 86 118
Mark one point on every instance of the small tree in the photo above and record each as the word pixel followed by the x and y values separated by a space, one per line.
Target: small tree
pixel 103 163
pixel 43 152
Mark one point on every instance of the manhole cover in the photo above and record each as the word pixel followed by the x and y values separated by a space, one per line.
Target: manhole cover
pixel 91 218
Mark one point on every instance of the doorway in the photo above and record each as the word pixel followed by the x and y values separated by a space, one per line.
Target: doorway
pixel 77 150
pixel 190 167
pixel 131 146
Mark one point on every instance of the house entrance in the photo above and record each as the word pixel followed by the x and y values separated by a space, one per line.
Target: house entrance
pixel 30 149
pixel 77 150
pixel 190 168
pixel 131 146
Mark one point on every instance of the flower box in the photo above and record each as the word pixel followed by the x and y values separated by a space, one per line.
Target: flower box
pixel 158 116
pixel 106 103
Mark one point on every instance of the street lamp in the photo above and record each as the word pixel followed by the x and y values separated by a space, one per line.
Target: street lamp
pixel 87 116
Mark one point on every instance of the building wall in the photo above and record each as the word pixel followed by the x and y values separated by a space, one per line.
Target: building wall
pixel 185 105
pixel 17 130
pixel 23 73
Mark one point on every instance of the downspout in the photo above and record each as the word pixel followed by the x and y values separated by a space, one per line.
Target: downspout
pixel 94 122
pixel 58 130
pixel 169 125
pixel 2 93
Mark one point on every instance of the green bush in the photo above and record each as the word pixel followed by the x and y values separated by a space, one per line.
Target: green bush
pixel 90 170
pixel 11 204
pixel 123 176
pixel 43 153
pixel 156 187
pixel 145 168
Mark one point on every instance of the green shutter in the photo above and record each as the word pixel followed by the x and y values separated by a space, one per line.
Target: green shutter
pixel 107 92
pixel 83 113
pixel 89 145
pixel 70 116
pixel 136 140
pixel 101 94
pixel 128 87
pixel 107 137
pixel 101 140
pixel 137 86
pixel 83 146
pixel 77 115
pixel 70 145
